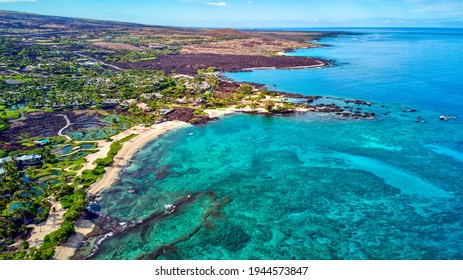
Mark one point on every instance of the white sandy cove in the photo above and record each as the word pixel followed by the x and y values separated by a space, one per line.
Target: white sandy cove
pixel 217 113
pixel 145 134
pixel 128 150
pixel 83 227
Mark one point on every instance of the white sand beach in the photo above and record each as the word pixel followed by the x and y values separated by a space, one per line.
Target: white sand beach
pixel 83 227
pixel 128 150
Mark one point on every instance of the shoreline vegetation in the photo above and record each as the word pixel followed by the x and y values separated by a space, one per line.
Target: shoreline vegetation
pixel 144 135
pixel 100 91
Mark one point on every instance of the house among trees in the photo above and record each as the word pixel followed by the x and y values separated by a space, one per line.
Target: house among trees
pixel 150 96
pixel 128 102
pixel 110 103
pixel 57 106
pixel 43 142
pixel 165 112
pixel 29 159
pixel 144 107
pixel 14 82
pixel 21 160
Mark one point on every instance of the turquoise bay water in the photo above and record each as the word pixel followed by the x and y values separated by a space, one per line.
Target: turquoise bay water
pixel 419 67
pixel 309 186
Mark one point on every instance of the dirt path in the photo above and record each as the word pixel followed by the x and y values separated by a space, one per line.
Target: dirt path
pixel 68 123
pixel 54 221
pixel 99 61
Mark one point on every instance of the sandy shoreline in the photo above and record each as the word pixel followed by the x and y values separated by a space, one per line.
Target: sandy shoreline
pixel 128 150
pixel 84 227
pixel 145 135
pixel 218 113
pixel 319 65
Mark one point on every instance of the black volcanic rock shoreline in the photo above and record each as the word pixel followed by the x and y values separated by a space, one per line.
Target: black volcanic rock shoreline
pixel 190 63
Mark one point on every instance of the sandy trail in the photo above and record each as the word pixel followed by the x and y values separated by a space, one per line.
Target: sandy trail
pixel 54 221
pixel 68 123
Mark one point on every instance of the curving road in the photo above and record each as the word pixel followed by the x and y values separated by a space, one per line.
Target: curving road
pixel 96 60
pixel 68 123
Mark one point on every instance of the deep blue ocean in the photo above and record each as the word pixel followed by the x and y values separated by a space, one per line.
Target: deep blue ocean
pixel 311 186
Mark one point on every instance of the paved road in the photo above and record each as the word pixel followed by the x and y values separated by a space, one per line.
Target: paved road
pixel 68 123
pixel 96 60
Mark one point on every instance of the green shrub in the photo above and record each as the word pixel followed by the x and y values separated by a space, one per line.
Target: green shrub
pixel 199 113
pixel 75 202
pixel 127 138
pixel 66 201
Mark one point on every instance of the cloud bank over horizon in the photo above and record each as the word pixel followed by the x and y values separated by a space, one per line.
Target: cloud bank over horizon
pixel 256 13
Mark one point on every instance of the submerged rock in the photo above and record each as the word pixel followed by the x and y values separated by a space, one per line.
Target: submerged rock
pixel 229 236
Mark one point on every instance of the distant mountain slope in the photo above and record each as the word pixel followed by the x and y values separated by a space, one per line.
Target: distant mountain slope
pixel 68 21
pixel 17 22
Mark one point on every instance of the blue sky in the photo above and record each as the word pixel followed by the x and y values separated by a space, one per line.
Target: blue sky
pixel 256 13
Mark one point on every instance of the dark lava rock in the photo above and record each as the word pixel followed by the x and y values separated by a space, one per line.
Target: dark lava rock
pixel 187 115
pixel 359 102
pixel 89 215
pixel 191 63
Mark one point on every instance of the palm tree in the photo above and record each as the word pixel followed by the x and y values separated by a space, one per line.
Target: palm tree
pixel 11 178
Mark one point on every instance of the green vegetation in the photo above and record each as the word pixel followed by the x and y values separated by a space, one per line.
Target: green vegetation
pixel 25 202
pixel 10 114
pixel 246 89
pixel 128 138
pixel 7 115
pixel 89 177
pixel 199 112
pixel 66 191
pixel 3 124
pixel 18 204
pixel 75 204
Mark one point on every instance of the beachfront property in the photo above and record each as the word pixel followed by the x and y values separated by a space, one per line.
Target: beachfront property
pixel 14 82
pixel 165 112
pixel 24 160
pixel 149 96
pixel 42 142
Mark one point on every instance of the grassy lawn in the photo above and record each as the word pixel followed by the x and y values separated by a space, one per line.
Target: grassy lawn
pixel 29 110
pixel 76 167
pixel 67 163
pixel 3 126
pixel 10 114
pixel 40 172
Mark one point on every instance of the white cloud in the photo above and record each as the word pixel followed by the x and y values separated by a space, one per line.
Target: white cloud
pixel 11 1
pixel 220 4
pixel 446 8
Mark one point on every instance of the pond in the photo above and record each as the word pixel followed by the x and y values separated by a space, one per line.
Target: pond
pixel 17 106
pixel 80 155
pixel 64 150
pixel 106 127
pixel 88 146
pixel 17 205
